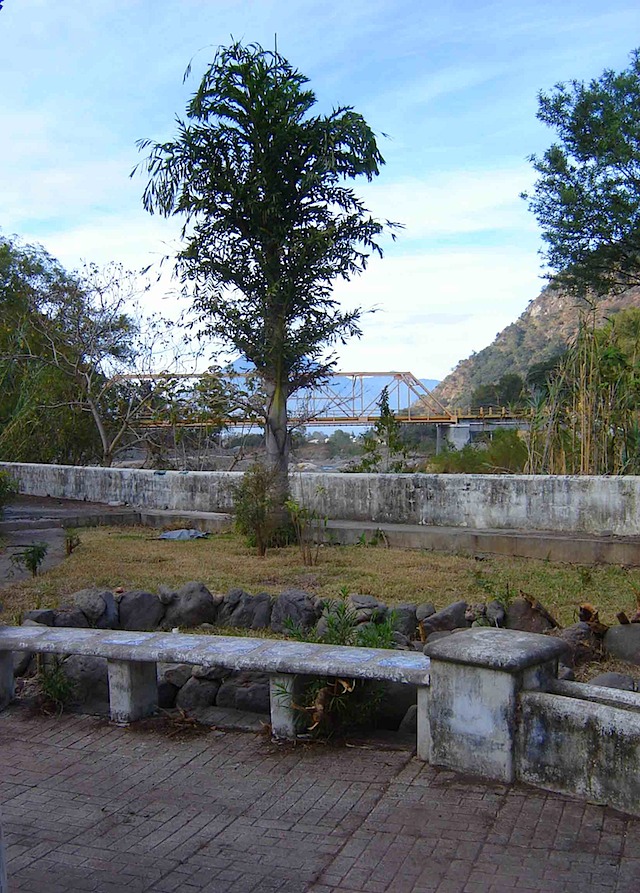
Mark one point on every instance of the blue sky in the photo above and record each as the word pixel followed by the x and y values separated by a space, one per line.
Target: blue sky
pixel 453 86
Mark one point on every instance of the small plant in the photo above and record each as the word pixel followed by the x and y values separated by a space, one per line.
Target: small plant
pixel 56 689
pixel 328 705
pixel 254 506
pixel 71 542
pixel 31 557
pixel 308 527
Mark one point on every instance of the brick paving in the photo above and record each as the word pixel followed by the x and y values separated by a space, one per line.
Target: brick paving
pixel 88 806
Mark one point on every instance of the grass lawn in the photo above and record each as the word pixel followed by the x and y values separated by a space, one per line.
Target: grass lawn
pixel 134 558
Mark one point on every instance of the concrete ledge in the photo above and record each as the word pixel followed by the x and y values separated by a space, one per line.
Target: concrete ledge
pixel 545 546
pixel 503 650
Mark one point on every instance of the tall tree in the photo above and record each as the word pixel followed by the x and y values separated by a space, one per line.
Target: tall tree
pixel 269 222
pixel 65 342
pixel 587 197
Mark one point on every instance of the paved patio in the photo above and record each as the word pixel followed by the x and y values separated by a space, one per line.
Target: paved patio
pixel 88 806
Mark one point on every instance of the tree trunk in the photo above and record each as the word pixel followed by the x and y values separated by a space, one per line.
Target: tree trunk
pixel 277 442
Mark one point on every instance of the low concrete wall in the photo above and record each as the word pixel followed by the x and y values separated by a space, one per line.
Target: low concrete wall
pixel 495 708
pixel 585 749
pixel 484 502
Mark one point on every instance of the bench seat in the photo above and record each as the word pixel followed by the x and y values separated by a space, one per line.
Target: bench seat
pixel 132 658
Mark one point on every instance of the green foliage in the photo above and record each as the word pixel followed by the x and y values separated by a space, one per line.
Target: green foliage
pixel 383 448
pixel 309 528
pixel 31 557
pixel 253 504
pixel 327 705
pixel 587 423
pixel 8 489
pixel 587 196
pixel 507 392
pixel 56 689
pixel 505 453
pixel 269 223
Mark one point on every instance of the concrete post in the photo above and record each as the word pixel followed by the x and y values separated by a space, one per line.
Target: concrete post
pixel 133 689
pixel 283 690
pixel 6 678
pixel 471 709
pixel 4 886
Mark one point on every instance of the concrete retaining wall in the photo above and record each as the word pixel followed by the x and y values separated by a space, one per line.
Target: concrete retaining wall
pixel 485 502
pixel 576 747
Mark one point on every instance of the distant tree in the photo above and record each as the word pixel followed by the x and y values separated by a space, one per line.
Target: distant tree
pixel 508 391
pixel 587 197
pixel 383 448
pixel 269 223
pixel 66 342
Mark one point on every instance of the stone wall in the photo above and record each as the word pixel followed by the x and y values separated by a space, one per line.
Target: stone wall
pixel 595 505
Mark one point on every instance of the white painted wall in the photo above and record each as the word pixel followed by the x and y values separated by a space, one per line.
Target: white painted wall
pixel 526 502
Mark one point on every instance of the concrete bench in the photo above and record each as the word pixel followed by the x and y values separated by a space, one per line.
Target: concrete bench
pixel 132 658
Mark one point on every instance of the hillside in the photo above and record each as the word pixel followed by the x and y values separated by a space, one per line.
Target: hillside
pixel 543 330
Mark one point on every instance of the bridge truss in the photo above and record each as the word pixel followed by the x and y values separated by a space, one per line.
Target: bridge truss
pixel 348 398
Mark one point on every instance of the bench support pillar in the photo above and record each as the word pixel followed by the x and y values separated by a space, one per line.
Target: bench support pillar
pixel 6 678
pixel 283 691
pixel 471 716
pixel 133 689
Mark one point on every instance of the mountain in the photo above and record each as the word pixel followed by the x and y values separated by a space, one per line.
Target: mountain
pixel 541 332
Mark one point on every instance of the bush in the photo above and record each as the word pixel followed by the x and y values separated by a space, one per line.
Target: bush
pixel 331 706
pixel 8 488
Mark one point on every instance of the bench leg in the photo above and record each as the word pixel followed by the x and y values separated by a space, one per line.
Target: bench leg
pixel 133 689
pixel 7 685
pixel 283 691
pixel 424 732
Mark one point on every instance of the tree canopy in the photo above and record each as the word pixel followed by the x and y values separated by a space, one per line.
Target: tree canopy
pixel 269 222
pixel 64 340
pixel 587 197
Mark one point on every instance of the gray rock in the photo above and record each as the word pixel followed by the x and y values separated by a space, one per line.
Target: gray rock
pixel 495 613
pixel 98 606
pixel 197 694
pixel 90 681
pixel 451 617
pixel 565 673
pixel 400 640
pixel 241 609
pixel 245 691
pixel 42 616
pixel 166 595
pixel 193 604
pixel 167 694
pixel 70 616
pixel 177 674
pixel 439 634
pixel 367 607
pixel 210 673
pixel 409 724
pixel 140 610
pixel 623 642
pixel 584 646
pixel 396 700
pixel 614 680
pixel 297 606
pixel 531 618
pixel 424 611
pixel 405 620
pixel 22 662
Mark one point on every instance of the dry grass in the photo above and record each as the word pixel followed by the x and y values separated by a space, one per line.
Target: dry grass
pixel 135 559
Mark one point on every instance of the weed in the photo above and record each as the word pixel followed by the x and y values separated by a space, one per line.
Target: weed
pixel 71 541
pixel 309 528
pixel 56 689
pixel 31 557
